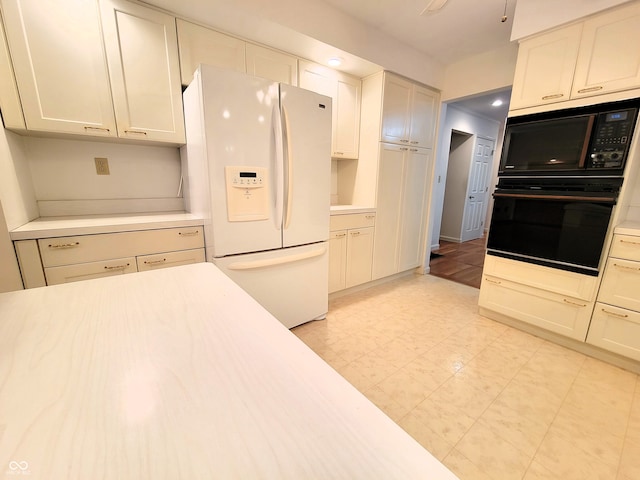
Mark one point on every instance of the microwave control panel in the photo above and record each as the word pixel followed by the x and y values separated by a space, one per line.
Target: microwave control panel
pixel 611 138
pixel 247 193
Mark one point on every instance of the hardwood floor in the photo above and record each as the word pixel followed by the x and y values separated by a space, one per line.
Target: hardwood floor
pixel 459 262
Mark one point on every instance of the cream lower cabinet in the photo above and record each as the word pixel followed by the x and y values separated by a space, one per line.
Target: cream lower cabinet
pixel 57 260
pixel 555 300
pixel 616 319
pixel 400 209
pixel 350 250
pixel 271 64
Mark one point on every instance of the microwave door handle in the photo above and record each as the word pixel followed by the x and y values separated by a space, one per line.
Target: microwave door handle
pixel 587 140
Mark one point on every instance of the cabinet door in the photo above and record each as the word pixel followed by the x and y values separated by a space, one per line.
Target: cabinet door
pixel 413 212
pixel 346 133
pixel 142 52
pixel 202 45
pixel 609 57
pixel 346 93
pixel 10 105
pixel 423 114
pixel 615 329
pixel 545 68
pixel 60 66
pixel 273 65
pixel 388 207
pixel 396 110
pixel 337 260
pixel 359 256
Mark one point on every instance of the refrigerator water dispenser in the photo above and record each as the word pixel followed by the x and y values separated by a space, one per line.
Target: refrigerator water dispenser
pixel 247 193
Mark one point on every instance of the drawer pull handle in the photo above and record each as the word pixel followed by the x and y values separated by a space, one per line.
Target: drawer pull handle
pixel 155 262
pixel 189 234
pixel 97 128
pixel 404 149
pixel 630 241
pixel 615 314
pixel 415 142
pixel 493 281
pixel 549 97
pixel 590 89
pixel 404 141
pixel 64 245
pixel 116 267
pixel 355 234
pixel 573 303
pixel 413 149
pixel 342 235
pixel 637 269
pixel 338 153
pixel 135 132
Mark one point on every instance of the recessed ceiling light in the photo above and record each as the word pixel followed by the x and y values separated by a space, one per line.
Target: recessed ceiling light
pixel 334 62
pixel 496 103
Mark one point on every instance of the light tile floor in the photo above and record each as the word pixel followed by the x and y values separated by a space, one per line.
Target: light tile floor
pixel 489 401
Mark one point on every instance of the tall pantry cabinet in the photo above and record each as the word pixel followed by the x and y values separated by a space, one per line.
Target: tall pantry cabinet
pixel 394 167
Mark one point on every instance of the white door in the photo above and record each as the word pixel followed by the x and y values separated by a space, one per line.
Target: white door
pixel 306 120
pixel 240 117
pixel 291 283
pixel 475 209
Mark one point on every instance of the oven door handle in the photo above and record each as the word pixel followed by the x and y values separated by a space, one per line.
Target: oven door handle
pixel 577 198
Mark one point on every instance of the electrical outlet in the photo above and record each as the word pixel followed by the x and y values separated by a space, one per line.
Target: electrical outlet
pixel 102 166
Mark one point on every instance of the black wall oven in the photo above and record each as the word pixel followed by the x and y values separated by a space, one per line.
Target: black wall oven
pixel 559 179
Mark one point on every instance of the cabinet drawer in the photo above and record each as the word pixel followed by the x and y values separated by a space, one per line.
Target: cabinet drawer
pixel 558 281
pixel 557 313
pixel 170 259
pixel 352 220
pixel 621 284
pixel 89 248
pixel 87 271
pixel 625 246
pixel 615 329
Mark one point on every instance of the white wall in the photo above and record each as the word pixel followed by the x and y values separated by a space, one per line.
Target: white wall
pixel 10 275
pixel 533 16
pixel 481 73
pixel 453 118
pixel 16 188
pixel 63 171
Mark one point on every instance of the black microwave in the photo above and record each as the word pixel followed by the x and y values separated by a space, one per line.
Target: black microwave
pixel 591 140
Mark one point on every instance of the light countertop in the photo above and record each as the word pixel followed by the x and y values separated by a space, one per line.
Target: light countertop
pixel 178 374
pixel 628 228
pixel 345 209
pixel 44 227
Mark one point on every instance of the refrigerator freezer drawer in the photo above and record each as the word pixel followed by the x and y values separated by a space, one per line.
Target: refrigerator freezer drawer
pixel 291 283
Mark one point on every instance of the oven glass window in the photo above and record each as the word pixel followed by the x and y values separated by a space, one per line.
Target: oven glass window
pixel 564 234
pixel 551 145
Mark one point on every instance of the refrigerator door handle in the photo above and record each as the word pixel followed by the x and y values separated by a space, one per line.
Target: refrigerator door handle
pixel 277 261
pixel 279 165
pixel 289 169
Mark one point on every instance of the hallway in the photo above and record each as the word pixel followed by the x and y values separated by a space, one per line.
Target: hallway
pixel 459 262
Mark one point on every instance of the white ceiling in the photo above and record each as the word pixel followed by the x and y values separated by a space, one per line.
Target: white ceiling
pixel 462 28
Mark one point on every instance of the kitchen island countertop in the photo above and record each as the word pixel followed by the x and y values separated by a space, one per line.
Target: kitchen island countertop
pixel 179 374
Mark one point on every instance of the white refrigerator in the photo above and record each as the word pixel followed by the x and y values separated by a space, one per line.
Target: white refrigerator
pixel 257 167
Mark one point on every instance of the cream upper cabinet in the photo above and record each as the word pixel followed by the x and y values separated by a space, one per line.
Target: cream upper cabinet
pixel 271 64
pixel 10 106
pixel 345 91
pixel 202 45
pixel 545 67
pixel 408 113
pixel 593 57
pixel 609 56
pixel 396 110
pixel 60 67
pixel 142 54
pixel 423 117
